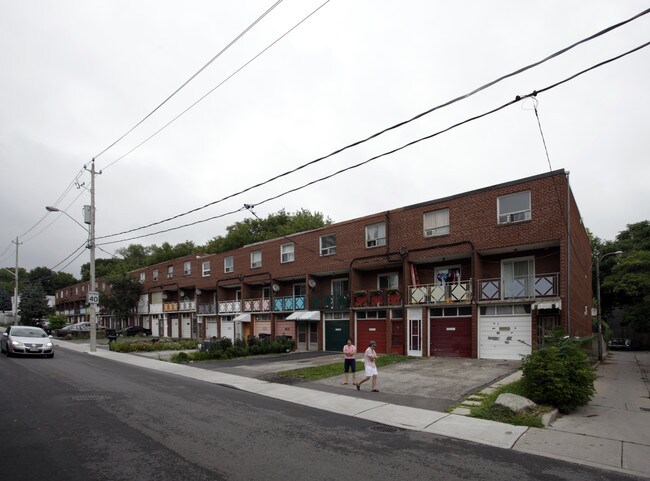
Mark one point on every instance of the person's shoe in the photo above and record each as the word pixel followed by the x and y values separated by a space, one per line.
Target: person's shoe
pixel 358 387
pixel 375 390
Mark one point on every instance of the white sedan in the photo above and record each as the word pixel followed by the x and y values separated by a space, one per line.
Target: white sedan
pixel 26 340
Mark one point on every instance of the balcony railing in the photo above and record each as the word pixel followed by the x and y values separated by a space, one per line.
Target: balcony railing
pixel 377 298
pixel 289 303
pixel 155 308
pixel 143 308
pixel 258 304
pixel 329 302
pixel 519 287
pixel 187 305
pixel 441 294
pixel 229 307
pixel 207 309
pixel 170 306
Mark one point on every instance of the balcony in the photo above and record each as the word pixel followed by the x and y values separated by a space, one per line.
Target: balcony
pixel 258 304
pixel 520 287
pixel 187 305
pixel 143 308
pixel 441 294
pixel 170 306
pixel 289 303
pixel 229 307
pixel 207 309
pixel 329 302
pixel 377 298
pixel 155 308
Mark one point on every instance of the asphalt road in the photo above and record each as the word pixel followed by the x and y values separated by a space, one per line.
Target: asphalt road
pixel 77 417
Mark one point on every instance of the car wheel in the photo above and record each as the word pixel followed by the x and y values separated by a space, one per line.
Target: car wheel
pixel 7 352
pixel 49 355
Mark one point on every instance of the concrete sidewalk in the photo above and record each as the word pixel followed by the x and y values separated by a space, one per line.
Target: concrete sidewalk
pixel 612 432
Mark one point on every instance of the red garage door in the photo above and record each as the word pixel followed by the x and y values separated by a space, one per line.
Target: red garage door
pixel 371 330
pixel 451 337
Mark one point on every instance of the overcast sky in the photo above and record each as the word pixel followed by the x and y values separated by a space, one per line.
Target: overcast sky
pixel 78 74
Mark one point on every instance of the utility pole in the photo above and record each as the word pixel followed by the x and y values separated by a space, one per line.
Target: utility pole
pixel 91 242
pixel 15 303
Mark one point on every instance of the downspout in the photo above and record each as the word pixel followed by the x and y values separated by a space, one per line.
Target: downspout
pixel 568 261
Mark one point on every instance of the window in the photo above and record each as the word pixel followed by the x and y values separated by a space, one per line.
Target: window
pixel 447 275
pixel 388 281
pixel 299 289
pixel 340 288
pixel 229 264
pixel 142 277
pixel 328 245
pixel 514 207
pixel 376 235
pixel 518 277
pixel 256 259
pixel 436 223
pixel 170 272
pixel 155 274
pixel 450 311
pixel 187 268
pixel 205 268
pixel 286 253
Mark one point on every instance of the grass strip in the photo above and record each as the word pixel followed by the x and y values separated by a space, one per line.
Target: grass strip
pixel 336 369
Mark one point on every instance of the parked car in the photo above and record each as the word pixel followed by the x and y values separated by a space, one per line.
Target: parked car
pixel 135 331
pixel 26 340
pixel 78 328
pixel 619 343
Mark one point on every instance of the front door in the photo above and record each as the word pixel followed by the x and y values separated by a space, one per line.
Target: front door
pixel 415 332
pixel 307 336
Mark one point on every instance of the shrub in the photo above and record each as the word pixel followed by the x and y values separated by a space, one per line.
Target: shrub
pixel 559 374
pixel 180 357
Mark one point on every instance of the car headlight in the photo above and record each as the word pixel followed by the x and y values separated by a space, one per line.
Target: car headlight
pixel 16 343
pixel 48 344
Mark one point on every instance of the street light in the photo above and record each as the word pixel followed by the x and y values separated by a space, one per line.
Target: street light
pixel 91 246
pixel 600 329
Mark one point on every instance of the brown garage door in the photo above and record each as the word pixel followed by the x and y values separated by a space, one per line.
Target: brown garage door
pixel 451 337
pixel 371 330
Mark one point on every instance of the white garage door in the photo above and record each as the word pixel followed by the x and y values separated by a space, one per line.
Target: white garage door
pixel 504 337
pixel 211 328
pixel 228 329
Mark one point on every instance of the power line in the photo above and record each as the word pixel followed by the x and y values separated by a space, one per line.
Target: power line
pixel 73 253
pixel 174 119
pixel 373 136
pixel 232 42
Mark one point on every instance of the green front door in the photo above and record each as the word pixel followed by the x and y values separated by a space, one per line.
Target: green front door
pixel 336 335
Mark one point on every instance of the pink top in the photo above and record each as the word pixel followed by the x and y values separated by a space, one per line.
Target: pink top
pixel 369 357
pixel 349 350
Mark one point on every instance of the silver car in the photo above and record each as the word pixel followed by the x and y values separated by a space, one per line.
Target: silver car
pixel 26 340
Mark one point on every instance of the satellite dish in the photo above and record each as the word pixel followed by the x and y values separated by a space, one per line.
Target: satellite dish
pixel 181 294
pixel 275 288
pixel 312 283
pixel 198 292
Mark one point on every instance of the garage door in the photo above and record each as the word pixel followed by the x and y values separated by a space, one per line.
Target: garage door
pixel 336 334
pixel 506 337
pixel 451 337
pixel 371 330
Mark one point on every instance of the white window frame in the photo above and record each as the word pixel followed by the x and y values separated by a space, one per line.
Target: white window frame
pixel 505 216
pixel 155 275
pixel 436 222
pixel 187 268
pixel 337 286
pixel 287 253
pixel 142 277
pixel 329 250
pixel 392 280
pixel 228 264
pixel 256 259
pixel 376 235
pixel 511 277
pixel 205 269
pixel 170 272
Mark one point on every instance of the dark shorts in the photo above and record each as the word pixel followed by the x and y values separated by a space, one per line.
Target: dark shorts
pixel 350 364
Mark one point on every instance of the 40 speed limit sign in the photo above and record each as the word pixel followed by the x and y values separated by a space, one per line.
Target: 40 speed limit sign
pixel 92 297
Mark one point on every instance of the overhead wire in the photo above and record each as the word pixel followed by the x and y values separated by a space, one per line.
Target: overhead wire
pixel 68 257
pixel 366 139
pixel 517 99
pixel 221 52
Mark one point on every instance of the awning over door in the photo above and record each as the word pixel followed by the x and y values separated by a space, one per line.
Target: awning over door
pixel 243 318
pixel 548 305
pixel 304 316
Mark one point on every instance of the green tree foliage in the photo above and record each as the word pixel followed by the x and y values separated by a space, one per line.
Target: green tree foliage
pixel 49 279
pixel 33 304
pixel 625 280
pixel 167 252
pixel 5 299
pixel 253 230
pixel 559 374
pixel 103 268
pixel 122 298
pixel 57 321
pixel 7 278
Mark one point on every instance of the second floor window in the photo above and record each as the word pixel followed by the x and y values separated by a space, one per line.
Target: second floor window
pixel 376 235
pixel 205 269
pixel 436 223
pixel 514 207
pixel 187 268
pixel 155 274
pixel 388 281
pixel 170 272
pixel 229 264
pixel 142 278
pixel 328 245
pixel 256 259
pixel 286 253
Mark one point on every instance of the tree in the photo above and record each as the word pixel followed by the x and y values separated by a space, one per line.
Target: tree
pixel 7 278
pixel 103 268
pixel 33 304
pixel 253 230
pixel 626 279
pixel 5 299
pixel 49 279
pixel 123 297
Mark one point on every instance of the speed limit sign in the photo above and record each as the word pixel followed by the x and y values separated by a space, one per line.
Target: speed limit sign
pixel 92 298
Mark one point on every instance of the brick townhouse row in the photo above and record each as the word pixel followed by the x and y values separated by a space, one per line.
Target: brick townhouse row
pixel 478 274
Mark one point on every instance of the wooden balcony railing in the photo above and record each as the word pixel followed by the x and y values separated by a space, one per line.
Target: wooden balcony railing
pixel 289 303
pixel 441 294
pixel 520 287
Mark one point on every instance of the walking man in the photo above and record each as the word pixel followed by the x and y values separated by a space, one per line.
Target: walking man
pixel 349 363
pixel 369 358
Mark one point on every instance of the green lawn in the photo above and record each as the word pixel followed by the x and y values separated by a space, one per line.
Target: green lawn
pixel 336 369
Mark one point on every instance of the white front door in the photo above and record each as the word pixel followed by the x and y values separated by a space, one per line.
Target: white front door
pixel 414 332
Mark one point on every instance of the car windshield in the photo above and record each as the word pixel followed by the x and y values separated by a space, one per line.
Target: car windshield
pixel 27 332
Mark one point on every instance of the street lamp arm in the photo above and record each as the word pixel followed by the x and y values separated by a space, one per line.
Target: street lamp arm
pixel 49 208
